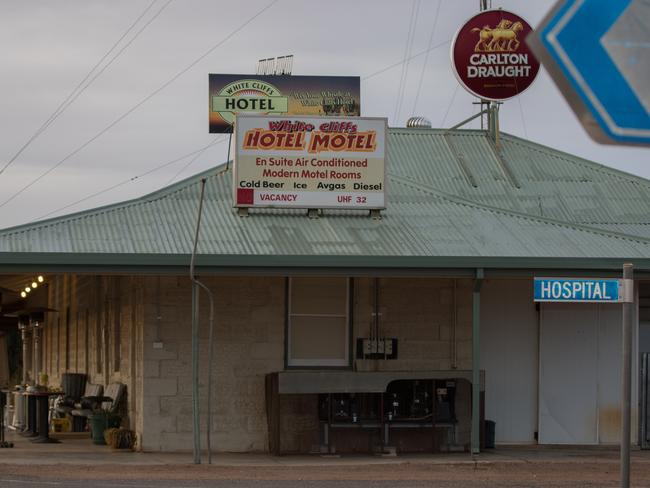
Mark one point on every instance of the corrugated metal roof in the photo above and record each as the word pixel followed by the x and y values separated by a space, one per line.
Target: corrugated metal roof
pixel 545 182
pixel 451 194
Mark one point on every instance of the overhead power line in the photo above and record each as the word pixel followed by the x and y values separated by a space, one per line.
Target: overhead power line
pixel 107 65
pixel 426 58
pixel 399 63
pixel 82 85
pixel 191 162
pixel 451 102
pixel 139 104
pixel 134 178
pixel 415 8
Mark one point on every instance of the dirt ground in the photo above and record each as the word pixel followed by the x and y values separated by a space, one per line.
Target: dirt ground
pixel 554 474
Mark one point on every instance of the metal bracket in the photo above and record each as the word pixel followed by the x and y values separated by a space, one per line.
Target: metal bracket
pixel 375 214
pixel 313 213
pixel 242 211
pixel 478 282
pixel 628 290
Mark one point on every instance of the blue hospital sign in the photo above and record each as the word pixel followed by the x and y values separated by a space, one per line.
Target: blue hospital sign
pixel 578 290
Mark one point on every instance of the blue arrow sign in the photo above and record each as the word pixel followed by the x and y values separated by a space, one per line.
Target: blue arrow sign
pixel 598 52
pixel 578 290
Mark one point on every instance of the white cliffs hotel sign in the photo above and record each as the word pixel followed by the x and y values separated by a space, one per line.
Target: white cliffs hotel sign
pixel 310 162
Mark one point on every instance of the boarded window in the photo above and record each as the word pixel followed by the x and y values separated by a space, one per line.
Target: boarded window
pixel 318 322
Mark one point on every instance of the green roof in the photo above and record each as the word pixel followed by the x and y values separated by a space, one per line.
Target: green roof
pixel 453 201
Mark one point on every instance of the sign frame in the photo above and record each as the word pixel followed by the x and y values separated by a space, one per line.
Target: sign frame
pixel 590 110
pixel 297 207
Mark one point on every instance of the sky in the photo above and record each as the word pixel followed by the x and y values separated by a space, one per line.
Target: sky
pixel 131 130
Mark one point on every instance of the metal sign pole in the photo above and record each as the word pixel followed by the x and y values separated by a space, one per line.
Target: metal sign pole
pixel 626 372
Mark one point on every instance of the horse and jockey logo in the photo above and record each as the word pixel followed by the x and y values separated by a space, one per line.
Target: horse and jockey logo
pixel 500 39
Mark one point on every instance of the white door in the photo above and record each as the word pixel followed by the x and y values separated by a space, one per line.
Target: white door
pixel 509 358
pixel 609 373
pixel 568 390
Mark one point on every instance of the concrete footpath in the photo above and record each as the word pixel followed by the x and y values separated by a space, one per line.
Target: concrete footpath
pixel 75 450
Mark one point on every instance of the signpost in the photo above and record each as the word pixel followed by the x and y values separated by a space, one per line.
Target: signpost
pixel 602 290
pixel 598 53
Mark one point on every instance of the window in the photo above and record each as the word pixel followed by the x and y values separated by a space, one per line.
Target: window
pixel 318 322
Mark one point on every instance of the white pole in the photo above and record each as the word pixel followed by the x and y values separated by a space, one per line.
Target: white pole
pixel 626 375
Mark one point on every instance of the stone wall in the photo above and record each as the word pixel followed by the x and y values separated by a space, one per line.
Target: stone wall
pixel 423 314
pixel 249 343
pixel 97 330
pixel 151 352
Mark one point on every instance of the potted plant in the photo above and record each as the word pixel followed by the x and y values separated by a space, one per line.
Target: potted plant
pixel 101 420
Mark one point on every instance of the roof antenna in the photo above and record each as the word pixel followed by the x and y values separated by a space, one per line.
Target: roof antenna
pixel 282 65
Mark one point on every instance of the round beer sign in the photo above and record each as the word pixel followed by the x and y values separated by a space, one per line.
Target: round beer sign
pixel 490 58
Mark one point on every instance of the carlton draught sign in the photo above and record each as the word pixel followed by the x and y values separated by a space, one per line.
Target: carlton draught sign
pixel 490 58
pixel 309 162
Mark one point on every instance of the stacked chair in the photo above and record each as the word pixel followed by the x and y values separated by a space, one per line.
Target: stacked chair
pixel 88 403
pixel 73 386
pixel 114 391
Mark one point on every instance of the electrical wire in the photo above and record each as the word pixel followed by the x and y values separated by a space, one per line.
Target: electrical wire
pixel 137 34
pixel 139 104
pixel 129 180
pixel 398 63
pixel 78 90
pixel 415 7
pixel 214 141
pixel 426 58
pixel 521 110
pixel 451 102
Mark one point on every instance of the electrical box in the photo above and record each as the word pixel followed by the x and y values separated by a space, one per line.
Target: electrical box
pixel 376 348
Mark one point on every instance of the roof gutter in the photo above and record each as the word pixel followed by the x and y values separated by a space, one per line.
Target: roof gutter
pixel 234 264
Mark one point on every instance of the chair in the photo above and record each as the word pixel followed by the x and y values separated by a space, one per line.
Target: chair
pixel 86 406
pixel 116 392
pixel 73 385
